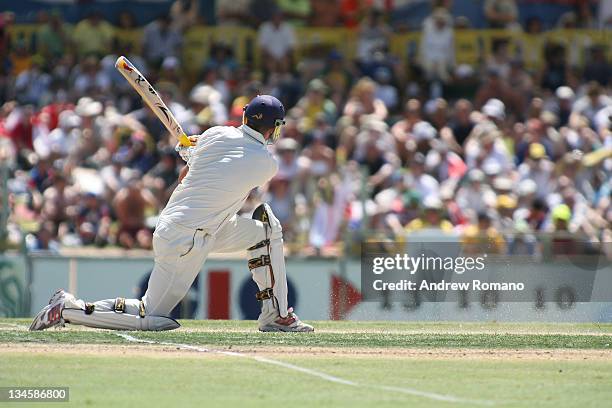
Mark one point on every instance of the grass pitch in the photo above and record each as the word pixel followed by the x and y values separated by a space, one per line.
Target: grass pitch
pixel 341 364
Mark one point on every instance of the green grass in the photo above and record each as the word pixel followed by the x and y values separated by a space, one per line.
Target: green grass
pixel 195 379
pixel 350 334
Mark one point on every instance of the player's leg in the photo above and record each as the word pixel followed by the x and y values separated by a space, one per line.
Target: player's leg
pixel 262 237
pixel 176 267
pixel 118 314
pixel 178 259
pixel 238 234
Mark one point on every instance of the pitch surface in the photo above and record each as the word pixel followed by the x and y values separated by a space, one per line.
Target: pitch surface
pixel 228 363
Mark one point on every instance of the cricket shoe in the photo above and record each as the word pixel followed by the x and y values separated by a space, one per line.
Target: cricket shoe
pixel 290 323
pixel 51 315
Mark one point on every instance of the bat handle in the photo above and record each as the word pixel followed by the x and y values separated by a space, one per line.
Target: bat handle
pixel 184 140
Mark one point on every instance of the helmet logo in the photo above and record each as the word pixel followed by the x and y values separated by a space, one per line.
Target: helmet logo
pixel 257 116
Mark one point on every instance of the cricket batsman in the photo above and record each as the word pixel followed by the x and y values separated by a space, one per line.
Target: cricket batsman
pixel 223 165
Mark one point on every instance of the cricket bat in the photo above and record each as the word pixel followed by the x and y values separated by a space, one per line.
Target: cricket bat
pixel 151 98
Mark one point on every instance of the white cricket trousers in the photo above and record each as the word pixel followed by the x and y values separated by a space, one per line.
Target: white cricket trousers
pixel 180 253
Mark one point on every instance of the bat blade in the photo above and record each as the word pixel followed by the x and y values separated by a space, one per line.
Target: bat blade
pixel 151 98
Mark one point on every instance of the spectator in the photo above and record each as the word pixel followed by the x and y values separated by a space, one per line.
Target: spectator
pixel 482 236
pixel 605 14
pixel 592 102
pixel 377 167
pixel 506 205
pixel 329 207
pixel 126 39
pixel 351 11
pixel 58 142
pixel 437 113
pixel 438 46
pixel 402 128
pixel 33 85
pixel 431 217
pixel 584 15
pixel 319 159
pixel 555 70
pixel 324 13
pixel 160 40
pixel 233 13
pixel 222 60
pixel 603 122
pixel 375 131
pixel 297 12
pixel 260 11
pixel 114 175
pixel 418 180
pixel 91 80
pixel 598 69
pixel 136 154
pixel 443 163
pixel 495 87
pixel 461 123
pixel 501 13
pixel 286 150
pixel 162 178
pixel 538 168
pixel 44 239
pixel 488 149
pixel 561 104
pixel 562 241
pixel 184 14
pixel 93 36
pixel 18 128
pixel 385 90
pixel 338 77
pixel 76 136
pixel 276 39
pixel 52 38
pixel 54 201
pixel 5 35
pixel 281 201
pixel 475 196
pixel 373 36
pixel 130 205
pixel 314 103
pixel 93 220
pixel 363 101
pixel 534 26
pixel 207 108
pixel 499 60
pixel 523 242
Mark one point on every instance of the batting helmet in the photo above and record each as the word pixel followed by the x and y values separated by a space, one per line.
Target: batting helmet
pixel 265 112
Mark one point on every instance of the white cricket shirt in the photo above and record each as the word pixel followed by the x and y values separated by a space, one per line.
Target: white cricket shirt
pixel 225 165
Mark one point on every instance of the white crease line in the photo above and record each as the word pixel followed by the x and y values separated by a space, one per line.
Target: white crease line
pixel 314 373
pixel 235 354
pixel 304 370
pixel 434 396
pixel 13 326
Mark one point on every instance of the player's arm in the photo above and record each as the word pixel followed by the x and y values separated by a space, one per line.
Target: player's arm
pixel 186 151
pixel 183 173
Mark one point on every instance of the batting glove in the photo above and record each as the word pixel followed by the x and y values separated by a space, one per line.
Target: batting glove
pixel 186 151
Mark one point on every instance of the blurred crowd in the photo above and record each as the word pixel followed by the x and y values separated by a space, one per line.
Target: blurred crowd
pixel 374 147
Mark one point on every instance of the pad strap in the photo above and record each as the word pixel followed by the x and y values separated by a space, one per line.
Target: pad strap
pixel 261 244
pixel 119 305
pixel 89 308
pixel 263 260
pixel 264 294
pixel 141 309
